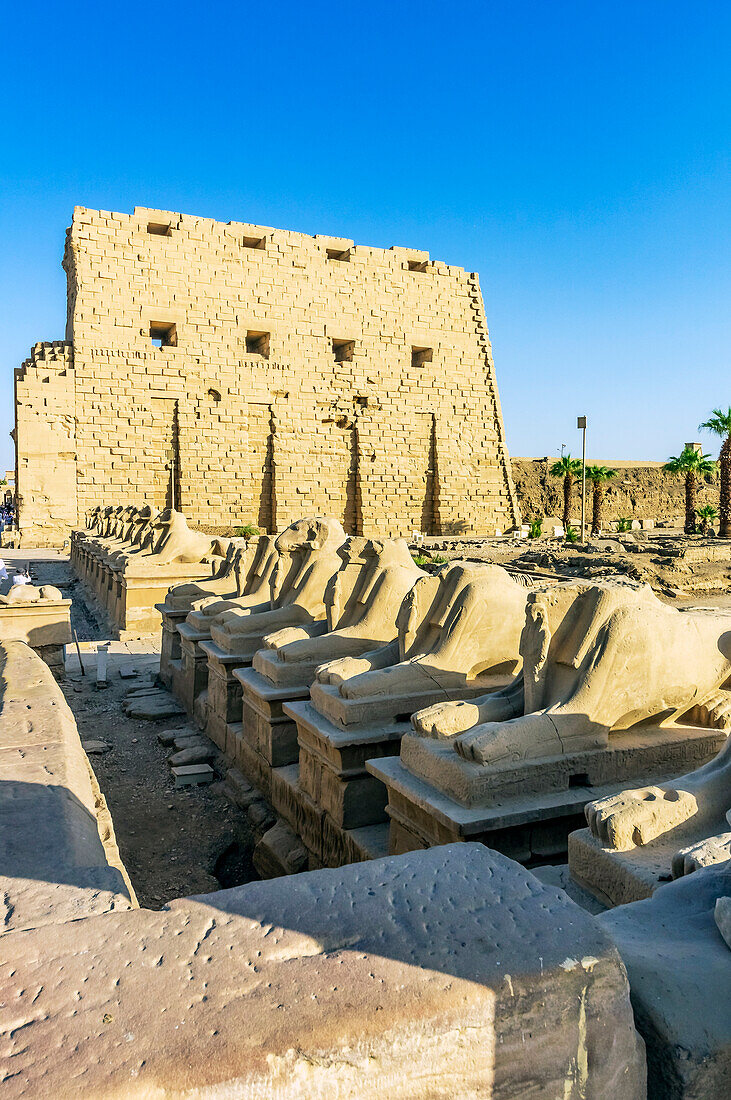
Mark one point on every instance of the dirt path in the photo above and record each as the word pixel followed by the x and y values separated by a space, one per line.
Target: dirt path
pixel 173 842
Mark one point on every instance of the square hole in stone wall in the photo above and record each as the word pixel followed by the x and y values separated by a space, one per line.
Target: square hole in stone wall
pixel 253 242
pixel 163 334
pixel 420 356
pixel 417 265
pixel 337 254
pixel 343 350
pixel 159 229
pixel 257 343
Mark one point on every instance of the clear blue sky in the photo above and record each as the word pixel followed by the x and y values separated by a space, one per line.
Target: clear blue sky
pixel 576 154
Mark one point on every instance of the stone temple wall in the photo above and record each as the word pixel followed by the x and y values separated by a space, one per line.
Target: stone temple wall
pixel 45 438
pixel 258 374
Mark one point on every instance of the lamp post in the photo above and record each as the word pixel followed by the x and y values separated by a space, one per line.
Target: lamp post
pixel 581 423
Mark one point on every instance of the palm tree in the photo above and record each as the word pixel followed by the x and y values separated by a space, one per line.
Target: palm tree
pixel 597 475
pixel 720 423
pixel 707 514
pixel 690 465
pixel 568 468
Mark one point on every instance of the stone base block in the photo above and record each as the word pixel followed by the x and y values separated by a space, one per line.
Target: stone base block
pixel 343 846
pixel 297 808
pixel 329 843
pixel 253 766
pixel 531 829
pixel 441 974
pixel 170 642
pixel 274 739
pixel 351 802
pixel 345 751
pixel 224 690
pixel 193 664
pixel 279 852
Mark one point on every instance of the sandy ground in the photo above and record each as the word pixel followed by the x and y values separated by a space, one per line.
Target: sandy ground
pixel 173 842
pixel 654 559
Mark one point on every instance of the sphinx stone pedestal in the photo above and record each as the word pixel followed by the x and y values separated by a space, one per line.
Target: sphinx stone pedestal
pixel 528 811
pixel 170 650
pixel 224 690
pixel 134 603
pixel 337 735
pixel 266 727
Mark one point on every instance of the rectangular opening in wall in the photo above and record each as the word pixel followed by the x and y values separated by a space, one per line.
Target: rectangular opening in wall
pixel 338 254
pixel 163 334
pixel 253 242
pixel 420 356
pixel 417 265
pixel 159 229
pixel 257 343
pixel 343 350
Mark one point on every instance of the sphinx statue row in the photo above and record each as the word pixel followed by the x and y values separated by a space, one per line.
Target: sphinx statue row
pixel 352 687
pixel 129 555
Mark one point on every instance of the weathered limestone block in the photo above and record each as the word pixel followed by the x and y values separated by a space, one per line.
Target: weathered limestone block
pixel 367 980
pixel 54 865
pixel 279 852
pixel 679 970
pixel 639 838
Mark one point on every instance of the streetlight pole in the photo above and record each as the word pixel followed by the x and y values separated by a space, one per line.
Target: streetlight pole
pixel 581 423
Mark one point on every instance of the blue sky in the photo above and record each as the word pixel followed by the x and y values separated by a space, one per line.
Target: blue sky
pixel 576 154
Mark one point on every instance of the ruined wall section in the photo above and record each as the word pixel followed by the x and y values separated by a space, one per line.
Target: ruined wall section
pixel 45 444
pixel 295 374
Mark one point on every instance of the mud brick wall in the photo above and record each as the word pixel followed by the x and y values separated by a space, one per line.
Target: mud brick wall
pixel 640 490
pixel 257 374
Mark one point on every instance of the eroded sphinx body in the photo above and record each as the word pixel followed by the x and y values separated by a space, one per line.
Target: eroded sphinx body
pixel 453 629
pixel 307 561
pixel 227 583
pixel 362 601
pixel 173 542
pixel 597 657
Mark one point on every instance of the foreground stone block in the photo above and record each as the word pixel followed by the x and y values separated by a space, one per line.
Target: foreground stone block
pixel 679 968
pixel 448 973
pixel 41 618
pixel 54 864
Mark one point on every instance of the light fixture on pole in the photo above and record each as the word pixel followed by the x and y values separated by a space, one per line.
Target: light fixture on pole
pixel 581 423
